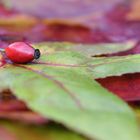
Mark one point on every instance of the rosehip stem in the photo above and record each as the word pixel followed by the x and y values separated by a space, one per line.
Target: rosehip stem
pixel 2 50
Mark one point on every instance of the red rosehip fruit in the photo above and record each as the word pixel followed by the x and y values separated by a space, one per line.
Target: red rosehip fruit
pixel 21 52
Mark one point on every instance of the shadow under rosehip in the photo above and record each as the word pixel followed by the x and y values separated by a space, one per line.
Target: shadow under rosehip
pixel 21 52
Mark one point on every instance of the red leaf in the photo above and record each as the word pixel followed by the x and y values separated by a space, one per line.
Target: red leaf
pixel 13 109
pixel 59 24
pixel 126 86
pixel 23 116
pixel 78 12
pixel 12 105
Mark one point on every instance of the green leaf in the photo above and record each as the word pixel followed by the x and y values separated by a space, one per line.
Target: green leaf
pixel 104 48
pixel 59 86
pixel 114 66
pixel 89 49
pixel 17 131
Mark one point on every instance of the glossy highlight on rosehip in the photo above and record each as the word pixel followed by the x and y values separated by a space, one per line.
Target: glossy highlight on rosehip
pixel 21 52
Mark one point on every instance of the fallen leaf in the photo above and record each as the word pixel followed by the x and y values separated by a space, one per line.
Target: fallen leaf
pixel 125 86
pixel 13 109
pixel 104 48
pixel 111 26
pixel 88 49
pixel 12 105
pixel 85 13
pixel 18 21
pixel 23 116
pixel 134 50
pixel 59 87
pixel 103 30
pixel 114 66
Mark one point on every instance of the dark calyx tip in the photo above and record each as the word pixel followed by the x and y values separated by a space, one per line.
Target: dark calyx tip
pixel 37 53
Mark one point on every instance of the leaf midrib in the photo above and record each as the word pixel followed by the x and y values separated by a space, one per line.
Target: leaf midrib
pixel 57 82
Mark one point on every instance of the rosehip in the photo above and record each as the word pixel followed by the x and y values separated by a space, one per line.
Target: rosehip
pixel 20 52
